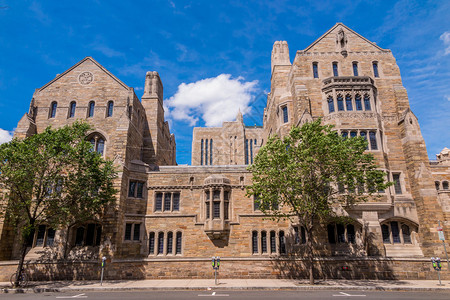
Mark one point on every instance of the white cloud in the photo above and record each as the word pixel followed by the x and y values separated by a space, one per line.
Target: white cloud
pixel 5 136
pixel 214 100
pixel 445 37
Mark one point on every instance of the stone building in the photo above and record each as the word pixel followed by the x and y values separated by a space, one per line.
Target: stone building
pixel 172 219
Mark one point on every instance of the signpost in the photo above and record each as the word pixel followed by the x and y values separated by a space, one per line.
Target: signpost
pixel 442 238
pixel 215 265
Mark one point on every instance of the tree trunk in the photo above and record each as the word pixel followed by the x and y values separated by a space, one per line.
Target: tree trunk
pixel 310 256
pixel 23 253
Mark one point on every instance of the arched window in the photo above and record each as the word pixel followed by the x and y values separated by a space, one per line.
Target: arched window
pixel 330 104
pixel 348 102
pixel 161 243
pixel 315 70
pixel 397 232
pixel 282 242
pixel 358 102
pixel 98 142
pixel 72 108
pixel 151 243
pixel 339 233
pixel 263 242
pixel 375 69
pixel 437 185
pixel 367 102
pixel 169 243
pixel 91 109
pixel 355 68
pixel 273 242
pixel 178 243
pixel 344 134
pixel 335 69
pixel 353 134
pixel 53 108
pixel 110 109
pixel 445 185
pixel 340 103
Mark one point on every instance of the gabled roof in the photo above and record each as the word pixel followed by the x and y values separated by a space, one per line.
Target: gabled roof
pixel 342 25
pixel 79 63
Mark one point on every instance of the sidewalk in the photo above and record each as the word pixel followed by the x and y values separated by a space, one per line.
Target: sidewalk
pixel 232 284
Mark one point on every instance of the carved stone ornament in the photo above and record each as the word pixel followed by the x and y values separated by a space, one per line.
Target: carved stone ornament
pixel 85 78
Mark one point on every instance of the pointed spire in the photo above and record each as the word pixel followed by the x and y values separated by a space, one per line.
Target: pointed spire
pixel 239 117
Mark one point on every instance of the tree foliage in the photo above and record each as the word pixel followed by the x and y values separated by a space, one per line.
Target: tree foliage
pixel 54 178
pixel 311 174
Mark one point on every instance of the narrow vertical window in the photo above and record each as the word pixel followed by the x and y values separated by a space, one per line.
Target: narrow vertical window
pixel 340 233
pixel 151 243
pixel 285 114
pixel 375 69
pixel 216 210
pixel 254 242
pixel 110 109
pixel 303 232
pixel 128 227
pixel 367 102
pixel 373 140
pixel 358 102
pixel 251 152
pixel 178 243
pixel 137 232
pixel 201 153
pixel 397 184
pixel 330 104
pixel 40 236
pixel 395 233
pixel 79 236
pixel 263 242
pixel 335 69
pixel 246 151
pixel 91 109
pixel 208 207
pixel 72 108
pixel 169 243
pixel 315 70
pixel 167 201
pixel 340 103
pixel 176 202
pixel 385 234
pixel 226 206
pixel 273 242
pixel 50 237
pixel 364 135
pixel 296 235
pixel 406 234
pixel 282 242
pixel 210 151
pixel 161 243
pixel 158 201
pixel 348 102
pixel 53 108
pixel 351 233
pixel 255 202
pixel 355 69
pixel 100 146
pixel 206 151
pixel 140 190
pixel 445 185
pixel 131 188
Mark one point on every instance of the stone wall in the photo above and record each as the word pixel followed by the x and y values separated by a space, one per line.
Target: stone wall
pixel 280 267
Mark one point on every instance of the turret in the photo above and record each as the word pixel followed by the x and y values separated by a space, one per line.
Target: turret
pixel 280 54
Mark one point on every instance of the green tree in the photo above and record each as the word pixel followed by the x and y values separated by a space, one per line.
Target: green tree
pixel 53 178
pixel 298 176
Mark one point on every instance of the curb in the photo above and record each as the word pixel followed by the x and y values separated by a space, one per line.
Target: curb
pixel 243 288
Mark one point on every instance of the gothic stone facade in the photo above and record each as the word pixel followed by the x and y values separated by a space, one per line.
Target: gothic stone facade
pixel 171 219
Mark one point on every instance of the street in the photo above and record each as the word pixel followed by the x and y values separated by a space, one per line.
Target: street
pixel 231 294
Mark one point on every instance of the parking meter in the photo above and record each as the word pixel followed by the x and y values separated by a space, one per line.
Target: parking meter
pixel 103 268
pixel 436 262
pixel 215 264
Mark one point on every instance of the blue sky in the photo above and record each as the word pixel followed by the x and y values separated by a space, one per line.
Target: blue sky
pixel 209 47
